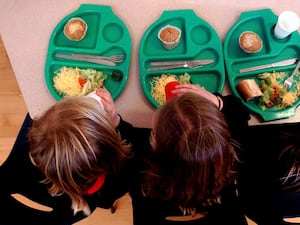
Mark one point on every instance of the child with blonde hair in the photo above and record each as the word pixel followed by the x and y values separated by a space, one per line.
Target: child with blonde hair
pixel 83 148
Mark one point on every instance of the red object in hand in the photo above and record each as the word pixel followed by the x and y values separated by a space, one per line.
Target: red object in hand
pixel 169 87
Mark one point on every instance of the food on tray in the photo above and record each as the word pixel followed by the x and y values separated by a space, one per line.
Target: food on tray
pixel 158 85
pixel 77 82
pixel 250 42
pixel 274 93
pixel 75 29
pixel 169 36
pixel 249 89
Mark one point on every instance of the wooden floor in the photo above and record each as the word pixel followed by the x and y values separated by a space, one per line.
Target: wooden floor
pixel 12 106
pixel 12 114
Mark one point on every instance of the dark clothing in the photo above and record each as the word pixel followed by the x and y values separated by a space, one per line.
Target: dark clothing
pixel 150 211
pixel 261 194
pixel 19 175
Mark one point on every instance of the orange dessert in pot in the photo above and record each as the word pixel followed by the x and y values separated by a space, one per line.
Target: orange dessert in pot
pixel 75 29
pixel 169 36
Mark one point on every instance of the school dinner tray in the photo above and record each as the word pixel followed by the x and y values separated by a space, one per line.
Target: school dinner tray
pixel 262 22
pixel 198 40
pixel 106 35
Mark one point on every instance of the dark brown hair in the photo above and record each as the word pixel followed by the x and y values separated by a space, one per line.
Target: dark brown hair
pixel 193 155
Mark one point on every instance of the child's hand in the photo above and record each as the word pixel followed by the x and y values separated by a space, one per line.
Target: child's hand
pixel 184 88
pixel 109 105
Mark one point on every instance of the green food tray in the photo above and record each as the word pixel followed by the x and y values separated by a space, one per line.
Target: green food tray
pixel 198 40
pixel 106 35
pixel 262 22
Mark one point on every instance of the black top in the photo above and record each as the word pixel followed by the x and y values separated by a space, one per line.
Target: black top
pixel 154 211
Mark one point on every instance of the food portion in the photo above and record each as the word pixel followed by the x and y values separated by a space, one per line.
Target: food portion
pixel 71 81
pixel 270 91
pixel 169 36
pixel 75 29
pixel 249 89
pixel 250 42
pixel 158 85
pixel 274 93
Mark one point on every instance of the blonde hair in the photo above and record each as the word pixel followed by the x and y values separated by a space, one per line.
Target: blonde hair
pixel 193 155
pixel 74 142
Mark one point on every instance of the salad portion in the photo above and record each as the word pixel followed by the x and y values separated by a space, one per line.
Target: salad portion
pixel 71 81
pixel 274 93
pixel 159 83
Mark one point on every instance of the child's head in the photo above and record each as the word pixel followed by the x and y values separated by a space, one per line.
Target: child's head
pixel 73 143
pixel 193 151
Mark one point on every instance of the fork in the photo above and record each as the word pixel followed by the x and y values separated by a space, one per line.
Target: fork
pixel 113 58
pixel 188 64
pixel 289 81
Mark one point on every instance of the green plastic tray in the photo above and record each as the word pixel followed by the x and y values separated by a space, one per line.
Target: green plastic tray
pixel 106 35
pixel 199 40
pixel 262 22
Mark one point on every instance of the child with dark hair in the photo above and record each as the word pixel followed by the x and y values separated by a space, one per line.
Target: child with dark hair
pixel 190 173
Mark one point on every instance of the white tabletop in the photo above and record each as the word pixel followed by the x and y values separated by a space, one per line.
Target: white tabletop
pixel 26 26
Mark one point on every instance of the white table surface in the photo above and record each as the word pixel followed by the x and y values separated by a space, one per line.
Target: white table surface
pixel 25 27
